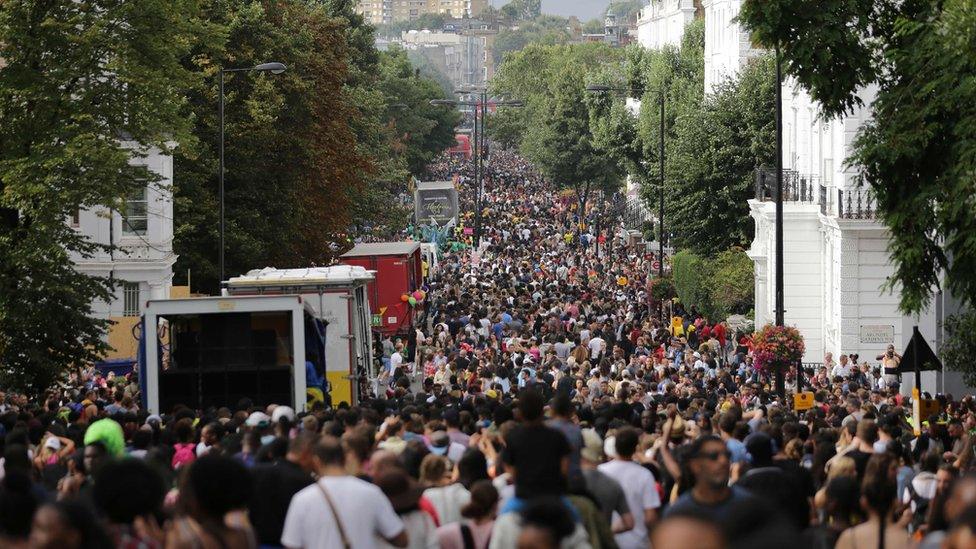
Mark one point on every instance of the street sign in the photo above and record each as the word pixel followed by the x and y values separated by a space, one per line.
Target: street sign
pixel 803 401
pixel 656 265
pixel 881 333
pixel 377 320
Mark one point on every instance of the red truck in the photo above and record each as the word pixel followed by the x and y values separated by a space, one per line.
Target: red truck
pixel 399 272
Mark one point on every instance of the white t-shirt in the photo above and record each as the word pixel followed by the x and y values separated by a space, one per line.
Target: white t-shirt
pixel 364 510
pixel 396 360
pixel 640 490
pixel 596 345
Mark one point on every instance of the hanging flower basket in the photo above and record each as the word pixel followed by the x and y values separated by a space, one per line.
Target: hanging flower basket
pixel 777 347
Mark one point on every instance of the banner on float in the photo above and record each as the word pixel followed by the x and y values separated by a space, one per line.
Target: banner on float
pixel 435 203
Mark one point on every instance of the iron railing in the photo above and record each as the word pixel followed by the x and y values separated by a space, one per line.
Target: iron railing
pixel 856 203
pixel 797 187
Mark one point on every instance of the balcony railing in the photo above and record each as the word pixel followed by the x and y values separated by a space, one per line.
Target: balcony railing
pixel 796 187
pixel 857 203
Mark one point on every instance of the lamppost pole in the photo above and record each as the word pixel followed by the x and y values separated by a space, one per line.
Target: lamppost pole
pixel 221 171
pixel 273 68
pixel 660 237
pixel 780 307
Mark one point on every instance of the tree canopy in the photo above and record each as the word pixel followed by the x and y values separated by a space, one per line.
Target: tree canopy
pixel 323 147
pixel 86 89
pixel 918 150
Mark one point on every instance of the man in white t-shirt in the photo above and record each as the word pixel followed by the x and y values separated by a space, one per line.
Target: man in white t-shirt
pixel 597 345
pixel 842 369
pixel 639 487
pixel 363 511
pixel 396 359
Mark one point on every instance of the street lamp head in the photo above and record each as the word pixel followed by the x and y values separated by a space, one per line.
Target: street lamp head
pixel 446 102
pixel 598 88
pixel 273 68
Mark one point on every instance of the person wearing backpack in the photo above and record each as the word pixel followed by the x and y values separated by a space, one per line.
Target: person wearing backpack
pixel 921 489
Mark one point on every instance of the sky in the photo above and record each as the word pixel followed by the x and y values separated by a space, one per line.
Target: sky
pixel 583 9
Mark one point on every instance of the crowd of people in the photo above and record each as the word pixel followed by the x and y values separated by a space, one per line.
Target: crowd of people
pixel 543 404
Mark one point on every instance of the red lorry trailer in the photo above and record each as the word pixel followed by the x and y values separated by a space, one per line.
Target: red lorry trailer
pixel 399 271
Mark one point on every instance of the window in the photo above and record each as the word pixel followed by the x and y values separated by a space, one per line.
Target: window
pixel 130 299
pixel 135 217
pixel 76 218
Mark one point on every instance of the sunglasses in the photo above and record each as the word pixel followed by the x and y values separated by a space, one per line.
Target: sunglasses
pixel 714 456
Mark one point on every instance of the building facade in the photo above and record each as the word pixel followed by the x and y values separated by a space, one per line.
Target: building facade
pixel 727 43
pixel 463 52
pixel 662 22
pixel 140 258
pixel 835 257
pixel 380 12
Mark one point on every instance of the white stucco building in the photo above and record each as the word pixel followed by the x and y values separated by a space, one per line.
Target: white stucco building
pixel 662 22
pixel 835 250
pixel 727 43
pixel 142 235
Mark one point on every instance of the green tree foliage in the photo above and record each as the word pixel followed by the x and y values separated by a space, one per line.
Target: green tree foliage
pixel 324 146
pixel 555 126
pixel 918 153
pixel 545 29
pixel 76 77
pixel 712 144
pixel 959 347
pixel 292 168
pixel 731 283
pixel 691 274
pixel 522 10
pixel 716 287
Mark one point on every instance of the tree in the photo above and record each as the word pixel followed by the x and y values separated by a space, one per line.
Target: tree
pixel 555 123
pixel 712 144
pixel 731 282
pixel 76 77
pixel 292 167
pixel 959 347
pixel 918 152
pixel 522 10
pixel 691 275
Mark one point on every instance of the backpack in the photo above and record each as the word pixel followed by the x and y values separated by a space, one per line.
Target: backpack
pixel 184 454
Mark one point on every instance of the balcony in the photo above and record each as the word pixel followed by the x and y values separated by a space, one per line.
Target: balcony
pixel 854 204
pixel 797 187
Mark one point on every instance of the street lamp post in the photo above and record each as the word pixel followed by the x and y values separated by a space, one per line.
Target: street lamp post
pixel 480 111
pixel 273 68
pixel 780 304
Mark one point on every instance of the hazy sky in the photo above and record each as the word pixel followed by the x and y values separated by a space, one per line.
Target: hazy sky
pixel 584 9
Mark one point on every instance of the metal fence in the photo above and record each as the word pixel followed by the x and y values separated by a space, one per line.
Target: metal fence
pixel 797 187
pixel 857 203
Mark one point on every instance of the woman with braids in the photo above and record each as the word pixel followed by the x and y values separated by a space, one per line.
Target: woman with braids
pixel 878 496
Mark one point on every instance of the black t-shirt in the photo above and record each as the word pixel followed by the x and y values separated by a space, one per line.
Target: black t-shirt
pixel 536 452
pixel 274 486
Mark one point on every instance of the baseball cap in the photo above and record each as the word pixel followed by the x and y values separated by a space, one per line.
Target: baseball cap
pixel 283 411
pixel 53 443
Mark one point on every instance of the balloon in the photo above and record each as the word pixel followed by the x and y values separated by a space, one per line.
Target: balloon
pixel 418 295
pixel 404 298
pixel 423 295
pixel 413 301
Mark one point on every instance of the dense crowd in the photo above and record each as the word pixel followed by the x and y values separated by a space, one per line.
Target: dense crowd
pixel 543 404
